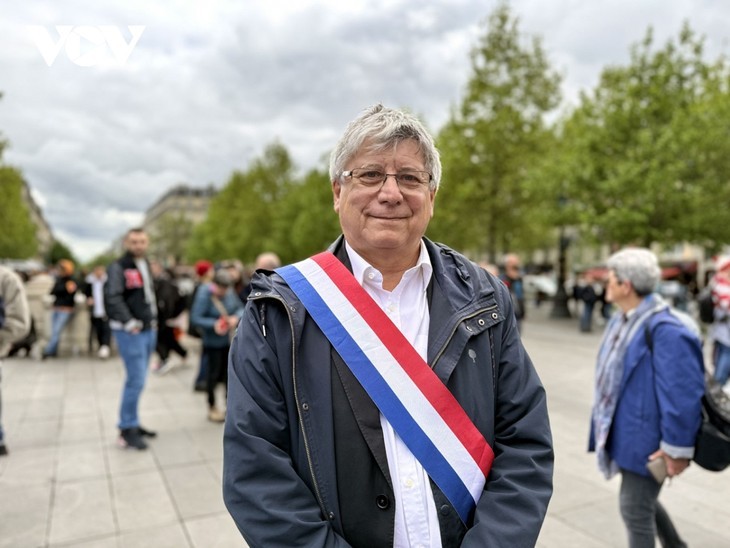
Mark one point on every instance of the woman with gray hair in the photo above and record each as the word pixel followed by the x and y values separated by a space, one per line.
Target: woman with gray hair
pixel 638 266
pixel 647 399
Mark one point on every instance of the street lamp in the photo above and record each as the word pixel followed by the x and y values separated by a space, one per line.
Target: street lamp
pixel 560 302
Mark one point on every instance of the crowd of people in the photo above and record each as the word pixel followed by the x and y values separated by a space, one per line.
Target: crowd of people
pixel 378 393
pixel 139 308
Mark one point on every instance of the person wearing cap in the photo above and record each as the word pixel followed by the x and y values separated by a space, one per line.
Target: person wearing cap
pixel 720 330
pixel 204 272
pixel 216 310
pixel 63 291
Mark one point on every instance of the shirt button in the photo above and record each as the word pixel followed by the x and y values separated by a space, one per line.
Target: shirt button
pixel 382 501
pixel 371 275
pixel 445 509
pixel 408 483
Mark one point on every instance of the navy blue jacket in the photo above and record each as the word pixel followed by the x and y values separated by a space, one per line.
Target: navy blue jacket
pixel 279 477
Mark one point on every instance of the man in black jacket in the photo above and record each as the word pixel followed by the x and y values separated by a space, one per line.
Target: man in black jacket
pixel 129 297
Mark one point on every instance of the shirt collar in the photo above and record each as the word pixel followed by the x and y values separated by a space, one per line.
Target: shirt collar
pixel 361 268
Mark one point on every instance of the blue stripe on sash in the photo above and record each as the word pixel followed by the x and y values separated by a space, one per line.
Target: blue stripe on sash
pixel 386 400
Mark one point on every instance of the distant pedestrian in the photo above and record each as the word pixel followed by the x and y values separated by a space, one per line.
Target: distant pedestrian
pixel 216 311
pixel 14 324
pixel 267 261
pixel 204 274
pixel 170 304
pixel 129 297
pixel 649 383
pixel 512 278
pixel 589 295
pixel 720 330
pixel 64 293
pixel 100 330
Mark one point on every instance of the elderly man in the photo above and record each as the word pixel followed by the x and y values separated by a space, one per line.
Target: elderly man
pixel 379 394
pixel 649 383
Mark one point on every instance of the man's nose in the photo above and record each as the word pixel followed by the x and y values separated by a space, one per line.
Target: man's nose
pixel 390 185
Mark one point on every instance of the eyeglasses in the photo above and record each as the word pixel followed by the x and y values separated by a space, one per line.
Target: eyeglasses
pixel 408 181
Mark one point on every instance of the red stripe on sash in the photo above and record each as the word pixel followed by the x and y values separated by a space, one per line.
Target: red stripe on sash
pixel 417 369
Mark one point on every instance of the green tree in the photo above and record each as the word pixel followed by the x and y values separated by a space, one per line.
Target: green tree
pixel 305 222
pixel 170 239
pixel 18 235
pixel 58 251
pixel 638 160
pixel 492 141
pixel 241 216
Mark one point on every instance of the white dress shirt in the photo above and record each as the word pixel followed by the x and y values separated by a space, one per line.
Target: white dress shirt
pixel 416 521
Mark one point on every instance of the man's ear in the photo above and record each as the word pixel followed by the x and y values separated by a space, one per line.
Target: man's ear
pixel 336 190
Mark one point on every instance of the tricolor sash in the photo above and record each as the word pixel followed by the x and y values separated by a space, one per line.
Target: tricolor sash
pixel 423 412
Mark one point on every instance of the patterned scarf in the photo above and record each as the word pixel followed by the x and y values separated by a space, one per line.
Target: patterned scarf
pixel 609 371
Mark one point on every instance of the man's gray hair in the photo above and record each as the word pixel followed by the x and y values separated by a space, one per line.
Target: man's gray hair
pixel 638 266
pixel 383 128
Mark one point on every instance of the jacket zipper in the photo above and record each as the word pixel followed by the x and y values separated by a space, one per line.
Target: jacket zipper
pixel 317 493
pixel 456 326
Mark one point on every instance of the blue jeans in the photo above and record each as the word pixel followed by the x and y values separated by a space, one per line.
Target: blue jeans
pixel 643 514
pixel 59 319
pixel 135 350
pixel 722 363
pixel 586 318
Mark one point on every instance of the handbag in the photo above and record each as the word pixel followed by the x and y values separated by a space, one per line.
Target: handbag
pixel 712 446
pixel 712 449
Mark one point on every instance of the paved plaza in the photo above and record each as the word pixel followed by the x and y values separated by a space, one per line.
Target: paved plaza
pixel 66 483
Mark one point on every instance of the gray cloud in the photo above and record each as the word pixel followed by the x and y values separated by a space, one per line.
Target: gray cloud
pixel 209 86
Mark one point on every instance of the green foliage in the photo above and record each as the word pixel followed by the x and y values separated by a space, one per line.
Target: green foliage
pixel 58 251
pixel 18 235
pixel 172 234
pixel 306 222
pixel 641 155
pixel 240 218
pixel 103 259
pixel 491 143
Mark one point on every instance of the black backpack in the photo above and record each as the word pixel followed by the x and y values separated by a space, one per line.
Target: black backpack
pixel 706 306
pixel 712 446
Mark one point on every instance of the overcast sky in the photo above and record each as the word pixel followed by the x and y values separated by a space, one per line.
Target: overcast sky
pixel 103 132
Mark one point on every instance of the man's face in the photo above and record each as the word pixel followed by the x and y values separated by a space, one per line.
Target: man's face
pixel 384 219
pixel 512 268
pixel 136 243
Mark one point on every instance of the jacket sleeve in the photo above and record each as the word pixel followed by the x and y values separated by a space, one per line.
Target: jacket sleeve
pixel 270 503
pixel 199 313
pixel 17 314
pixel 58 288
pixel 680 384
pixel 114 303
pixel 512 507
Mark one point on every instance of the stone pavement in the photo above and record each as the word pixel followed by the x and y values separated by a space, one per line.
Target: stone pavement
pixel 66 483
